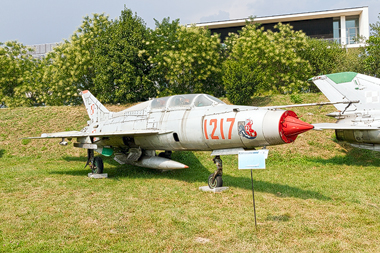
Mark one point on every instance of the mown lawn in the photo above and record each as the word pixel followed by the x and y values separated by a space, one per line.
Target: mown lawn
pixel 316 195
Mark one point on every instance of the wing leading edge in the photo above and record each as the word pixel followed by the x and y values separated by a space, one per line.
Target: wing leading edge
pixel 79 134
pixel 321 126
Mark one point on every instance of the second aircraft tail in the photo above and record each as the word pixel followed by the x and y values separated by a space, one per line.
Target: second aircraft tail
pixel 348 86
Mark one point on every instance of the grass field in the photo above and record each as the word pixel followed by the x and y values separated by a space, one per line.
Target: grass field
pixel 316 195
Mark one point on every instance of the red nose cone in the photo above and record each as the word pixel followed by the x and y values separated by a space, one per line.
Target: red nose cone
pixel 290 126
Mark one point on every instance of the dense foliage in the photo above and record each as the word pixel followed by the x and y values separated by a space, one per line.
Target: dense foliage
pixel 122 74
pixel 123 61
pixel 185 59
pixel 16 74
pixel 372 55
pixel 265 62
pixel 70 66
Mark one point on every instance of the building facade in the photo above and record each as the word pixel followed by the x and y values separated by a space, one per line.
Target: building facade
pixel 349 27
pixel 41 50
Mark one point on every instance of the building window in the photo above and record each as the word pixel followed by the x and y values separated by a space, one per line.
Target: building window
pixel 336 30
pixel 352 29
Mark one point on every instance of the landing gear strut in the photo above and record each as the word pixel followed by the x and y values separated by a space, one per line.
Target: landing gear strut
pixel 215 179
pixel 95 163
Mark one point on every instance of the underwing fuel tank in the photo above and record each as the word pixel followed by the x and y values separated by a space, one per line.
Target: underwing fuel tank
pixel 153 162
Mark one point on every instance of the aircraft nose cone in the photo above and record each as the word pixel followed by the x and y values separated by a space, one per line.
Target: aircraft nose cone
pixel 290 126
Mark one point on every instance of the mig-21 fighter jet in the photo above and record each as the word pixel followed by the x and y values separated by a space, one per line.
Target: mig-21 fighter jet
pixel 357 123
pixel 176 123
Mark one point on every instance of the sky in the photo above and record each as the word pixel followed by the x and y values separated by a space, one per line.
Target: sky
pixel 48 21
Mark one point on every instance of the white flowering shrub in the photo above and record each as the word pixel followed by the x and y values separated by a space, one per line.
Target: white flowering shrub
pixel 265 62
pixel 185 59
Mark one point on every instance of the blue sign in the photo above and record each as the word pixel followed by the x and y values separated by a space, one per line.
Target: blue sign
pixel 250 160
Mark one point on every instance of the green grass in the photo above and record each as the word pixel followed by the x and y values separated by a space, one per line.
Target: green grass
pixel 316 195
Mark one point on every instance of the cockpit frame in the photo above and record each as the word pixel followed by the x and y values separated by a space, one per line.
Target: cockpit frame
pixel 184 101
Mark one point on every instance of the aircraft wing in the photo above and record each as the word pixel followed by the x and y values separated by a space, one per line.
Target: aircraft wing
pixel 313 104
pixel 78 134
pixel 321 126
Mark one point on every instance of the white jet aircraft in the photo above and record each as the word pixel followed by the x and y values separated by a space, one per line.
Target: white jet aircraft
pixel 357 123
pixel 176 123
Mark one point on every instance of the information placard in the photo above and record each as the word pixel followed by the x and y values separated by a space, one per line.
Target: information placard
pixel 250 160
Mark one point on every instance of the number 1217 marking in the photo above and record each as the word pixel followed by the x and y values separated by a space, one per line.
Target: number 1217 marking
pixel 214 123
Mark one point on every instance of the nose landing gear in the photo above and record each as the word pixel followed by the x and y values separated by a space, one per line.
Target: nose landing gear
pixel 215 179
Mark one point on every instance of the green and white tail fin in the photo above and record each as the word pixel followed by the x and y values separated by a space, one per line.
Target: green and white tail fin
pixel 96 111
pixel 349 86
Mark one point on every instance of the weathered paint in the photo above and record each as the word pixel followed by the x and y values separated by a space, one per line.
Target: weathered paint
pixel 189 127
pixel 181 122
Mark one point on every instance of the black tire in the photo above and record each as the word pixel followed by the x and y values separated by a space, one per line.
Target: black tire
pixel 98 165
pixel 166 154
pixel 218 182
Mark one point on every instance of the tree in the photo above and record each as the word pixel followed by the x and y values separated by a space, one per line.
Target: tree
pixel 70 67
pixel 16 70
pixel 122 74
pixel 323 56
pixel 352 60
pixel 265 62
pixel 371 58
pixel 185 59
pixel 375 28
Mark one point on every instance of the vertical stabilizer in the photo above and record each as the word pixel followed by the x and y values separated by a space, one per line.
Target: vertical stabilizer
pixel 348 86
pixel 96 111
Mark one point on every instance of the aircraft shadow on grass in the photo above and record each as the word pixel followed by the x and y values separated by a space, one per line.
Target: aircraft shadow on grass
pixel 196 173
pixel 353 156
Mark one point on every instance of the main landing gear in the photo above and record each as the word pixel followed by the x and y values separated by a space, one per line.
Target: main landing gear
pixel 215 179
pixel 166 154
pixel 95 163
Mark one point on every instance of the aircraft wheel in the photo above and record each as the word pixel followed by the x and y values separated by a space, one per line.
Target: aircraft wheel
pixel 166 154
pixel 218 182
pixel 98 165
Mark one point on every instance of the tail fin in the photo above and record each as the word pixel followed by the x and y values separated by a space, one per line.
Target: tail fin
pixel 350 86
pixel 96 111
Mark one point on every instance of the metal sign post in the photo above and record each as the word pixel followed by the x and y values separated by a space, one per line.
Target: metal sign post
pixel 253 160
pixel 253 198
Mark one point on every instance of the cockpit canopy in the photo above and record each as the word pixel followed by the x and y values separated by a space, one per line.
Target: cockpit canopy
pixel 188 100
pixel 172 102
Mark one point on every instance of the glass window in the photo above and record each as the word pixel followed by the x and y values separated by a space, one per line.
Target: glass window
pixel 181 100
pixel 216 100
pixel 201 100
pixel 336 30
pixel 352 29
pixel 159 103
